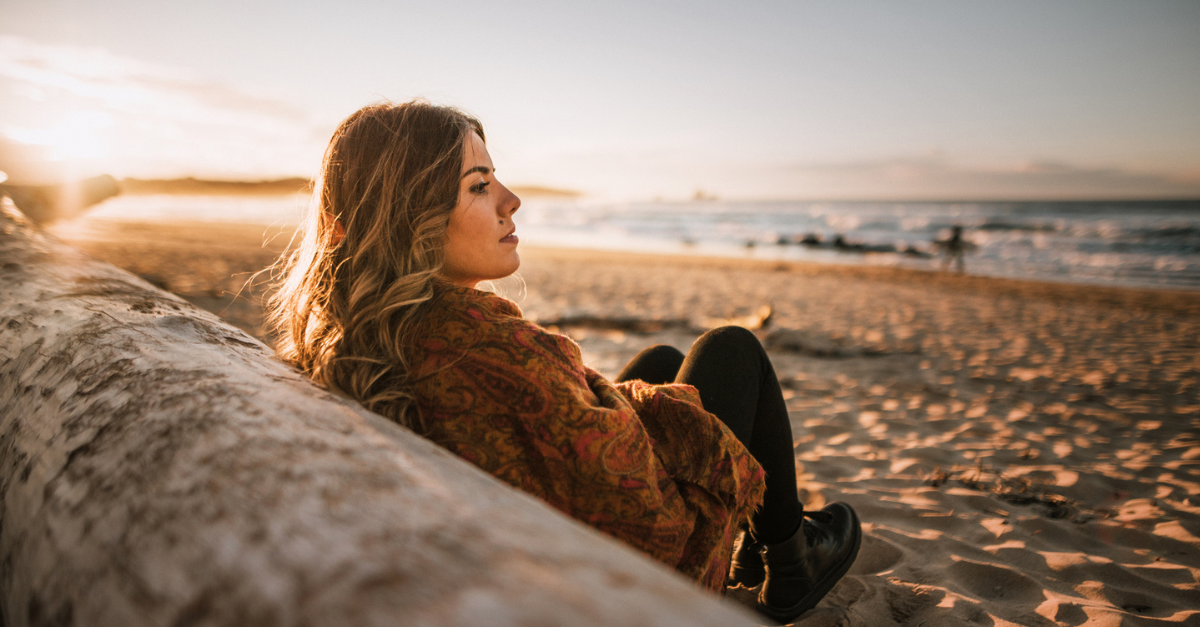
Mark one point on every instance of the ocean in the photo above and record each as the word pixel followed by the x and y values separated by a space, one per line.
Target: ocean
pixel 1126 243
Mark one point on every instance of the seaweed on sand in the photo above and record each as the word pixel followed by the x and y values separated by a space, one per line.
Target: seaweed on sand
pixel 1014 490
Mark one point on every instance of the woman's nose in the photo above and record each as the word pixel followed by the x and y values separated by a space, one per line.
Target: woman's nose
pixel 513 203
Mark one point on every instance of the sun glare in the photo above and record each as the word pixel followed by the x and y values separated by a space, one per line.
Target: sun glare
pixel 80 136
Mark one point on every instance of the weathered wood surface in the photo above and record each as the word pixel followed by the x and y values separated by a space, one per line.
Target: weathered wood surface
pixel 157 467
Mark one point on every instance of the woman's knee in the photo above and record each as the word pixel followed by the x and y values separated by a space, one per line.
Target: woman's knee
pixel 730 338
pixel 730 347
pixel 657 364
pixel 661 357
pixel 662 353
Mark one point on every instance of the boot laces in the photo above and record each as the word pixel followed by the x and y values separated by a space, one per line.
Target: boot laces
pixel 820 516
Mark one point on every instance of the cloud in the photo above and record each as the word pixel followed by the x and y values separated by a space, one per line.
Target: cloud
pixel 936 176
pixel 160 120
pixel 933 176
pixel 127 84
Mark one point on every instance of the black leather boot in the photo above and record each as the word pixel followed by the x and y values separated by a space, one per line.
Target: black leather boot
pixel 746 568
pixel 804 568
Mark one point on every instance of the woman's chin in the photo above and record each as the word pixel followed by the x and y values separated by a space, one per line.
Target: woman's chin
pixel 514 264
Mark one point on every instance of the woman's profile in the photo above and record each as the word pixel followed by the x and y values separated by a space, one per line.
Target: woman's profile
pixel 686 458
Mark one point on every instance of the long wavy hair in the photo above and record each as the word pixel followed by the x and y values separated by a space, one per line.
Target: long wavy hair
pixel 346 307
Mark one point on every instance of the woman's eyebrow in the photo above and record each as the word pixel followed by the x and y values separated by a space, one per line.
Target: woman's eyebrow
pixel 482 169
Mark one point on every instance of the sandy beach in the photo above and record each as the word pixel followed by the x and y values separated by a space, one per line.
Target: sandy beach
pixel 1021 453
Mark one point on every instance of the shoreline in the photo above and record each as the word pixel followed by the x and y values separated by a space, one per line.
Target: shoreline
pixel 1108 294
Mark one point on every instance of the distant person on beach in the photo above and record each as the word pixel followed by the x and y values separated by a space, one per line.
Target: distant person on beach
pixel 379 302
pixel 953 249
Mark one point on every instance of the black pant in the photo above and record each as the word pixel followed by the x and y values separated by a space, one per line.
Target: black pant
pixel 737 383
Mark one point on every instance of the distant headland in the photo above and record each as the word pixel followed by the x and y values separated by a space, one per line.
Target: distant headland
pixel 202 187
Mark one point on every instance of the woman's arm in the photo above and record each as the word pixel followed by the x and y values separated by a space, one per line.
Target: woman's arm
pixel 518 402
pixel 693 444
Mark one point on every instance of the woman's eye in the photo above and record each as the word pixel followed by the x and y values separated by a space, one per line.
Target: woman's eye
pixel 479 188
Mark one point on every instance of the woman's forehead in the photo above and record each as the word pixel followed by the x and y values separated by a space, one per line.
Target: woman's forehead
pixel 476 153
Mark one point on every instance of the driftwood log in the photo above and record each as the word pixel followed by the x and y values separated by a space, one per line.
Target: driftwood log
pixel 158 467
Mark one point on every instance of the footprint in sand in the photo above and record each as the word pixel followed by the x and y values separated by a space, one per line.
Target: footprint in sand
pixel 993 582
pixel 875 556
pixel 1070 614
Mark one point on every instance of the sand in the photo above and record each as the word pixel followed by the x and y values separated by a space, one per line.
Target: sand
pixel 1020 453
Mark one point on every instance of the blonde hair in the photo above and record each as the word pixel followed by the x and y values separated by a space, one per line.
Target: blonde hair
pixel 346 310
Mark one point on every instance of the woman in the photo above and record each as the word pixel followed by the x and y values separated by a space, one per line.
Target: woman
pixel 379 302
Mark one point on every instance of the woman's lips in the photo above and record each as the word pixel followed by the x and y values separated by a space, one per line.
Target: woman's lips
pixel 511 238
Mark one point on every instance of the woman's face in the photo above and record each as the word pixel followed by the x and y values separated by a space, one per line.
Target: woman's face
pixel 481 241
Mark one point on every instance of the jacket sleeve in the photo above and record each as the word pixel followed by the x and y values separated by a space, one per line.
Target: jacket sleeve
pixel 516 401
pixel 592 457
pixel 517 404
pixel 692 444
pixel 597 460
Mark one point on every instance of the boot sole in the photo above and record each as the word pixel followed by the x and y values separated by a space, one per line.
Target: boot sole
pixel 821 588
pixel 752 581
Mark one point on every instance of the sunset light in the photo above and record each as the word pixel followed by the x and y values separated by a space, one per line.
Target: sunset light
pixel 646 312
pixel 80 136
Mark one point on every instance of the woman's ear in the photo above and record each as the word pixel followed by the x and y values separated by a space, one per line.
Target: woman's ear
pixel 339 232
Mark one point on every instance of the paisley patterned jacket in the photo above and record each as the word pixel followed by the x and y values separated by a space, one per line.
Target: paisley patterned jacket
pixel 643 463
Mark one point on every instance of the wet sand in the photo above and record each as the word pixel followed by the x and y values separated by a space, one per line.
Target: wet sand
pixel 1020 453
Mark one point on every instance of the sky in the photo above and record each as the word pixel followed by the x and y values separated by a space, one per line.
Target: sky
pixel 954 99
